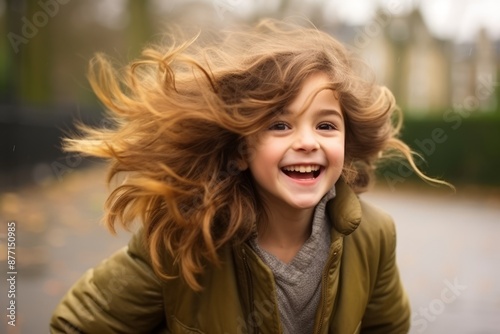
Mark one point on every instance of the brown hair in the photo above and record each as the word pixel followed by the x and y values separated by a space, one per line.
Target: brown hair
pixel 182 114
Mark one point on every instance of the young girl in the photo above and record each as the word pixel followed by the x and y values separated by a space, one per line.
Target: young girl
pixel 243 160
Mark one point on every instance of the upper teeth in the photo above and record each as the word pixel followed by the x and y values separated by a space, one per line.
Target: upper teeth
pixel 302 168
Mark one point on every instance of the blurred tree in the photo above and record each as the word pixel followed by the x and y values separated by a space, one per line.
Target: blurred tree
pixel 35 57
pixel 140 27
pixel 9 62
pixel 4 57
pixel 28 53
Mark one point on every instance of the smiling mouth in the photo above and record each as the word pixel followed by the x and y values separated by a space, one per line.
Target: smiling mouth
pixel 302 172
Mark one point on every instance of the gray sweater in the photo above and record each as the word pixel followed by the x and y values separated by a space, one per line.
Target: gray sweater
pixel 299 282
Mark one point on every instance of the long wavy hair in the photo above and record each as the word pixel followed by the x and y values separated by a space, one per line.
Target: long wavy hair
pixel 181 117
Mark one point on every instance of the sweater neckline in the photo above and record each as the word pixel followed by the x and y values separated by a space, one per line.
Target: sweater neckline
pixel 292 272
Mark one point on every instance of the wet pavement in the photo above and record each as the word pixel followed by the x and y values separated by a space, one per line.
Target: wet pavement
pixel 448 251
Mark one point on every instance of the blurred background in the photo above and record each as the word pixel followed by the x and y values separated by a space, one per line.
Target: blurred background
pixel 440 58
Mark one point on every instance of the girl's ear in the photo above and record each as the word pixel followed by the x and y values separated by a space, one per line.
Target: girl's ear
pixel 245 153
pixel 242 164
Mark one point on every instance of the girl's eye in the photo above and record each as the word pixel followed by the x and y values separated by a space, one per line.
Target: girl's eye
pixel 326 126
pixel 279 126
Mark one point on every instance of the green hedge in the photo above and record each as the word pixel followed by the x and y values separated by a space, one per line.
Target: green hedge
pixel 459 147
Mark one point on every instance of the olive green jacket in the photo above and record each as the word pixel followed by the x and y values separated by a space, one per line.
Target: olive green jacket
pixel 361 289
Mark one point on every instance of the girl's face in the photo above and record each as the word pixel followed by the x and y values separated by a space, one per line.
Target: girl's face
pixel 300 157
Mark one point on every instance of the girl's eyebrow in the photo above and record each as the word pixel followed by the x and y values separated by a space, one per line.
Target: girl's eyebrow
pixel 330 112
pixel 320 113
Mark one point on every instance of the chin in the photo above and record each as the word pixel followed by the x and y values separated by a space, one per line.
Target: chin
pixel 304 205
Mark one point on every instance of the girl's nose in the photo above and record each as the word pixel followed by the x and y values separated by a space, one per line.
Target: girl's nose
pixel 305 140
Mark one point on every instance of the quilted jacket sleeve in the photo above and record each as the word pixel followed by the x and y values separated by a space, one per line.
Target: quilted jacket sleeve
pixel 388 310
pixel 120 295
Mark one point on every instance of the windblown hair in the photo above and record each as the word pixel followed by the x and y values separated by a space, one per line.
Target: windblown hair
pixel 182 115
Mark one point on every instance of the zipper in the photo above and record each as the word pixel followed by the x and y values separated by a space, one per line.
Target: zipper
pixel 324 292
pixel 323 299
pixel 250 285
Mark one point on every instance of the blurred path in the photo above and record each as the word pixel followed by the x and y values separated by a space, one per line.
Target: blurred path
pixel 448 250
pixel 449 258
pixel 59 237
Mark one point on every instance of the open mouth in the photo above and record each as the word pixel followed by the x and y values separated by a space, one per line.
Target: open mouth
pixel 302 172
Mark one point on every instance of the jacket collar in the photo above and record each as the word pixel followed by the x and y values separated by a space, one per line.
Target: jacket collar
pixel 344 210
